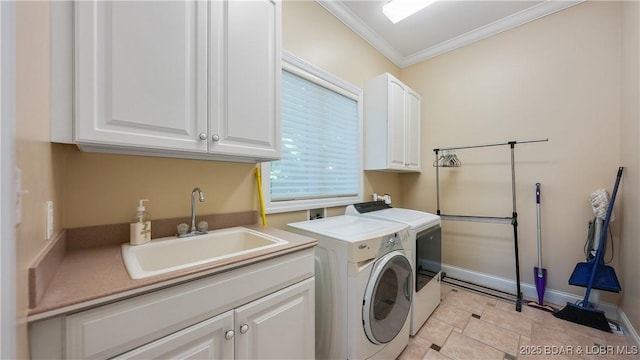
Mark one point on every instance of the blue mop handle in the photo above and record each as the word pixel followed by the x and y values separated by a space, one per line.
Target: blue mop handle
pixel 603 238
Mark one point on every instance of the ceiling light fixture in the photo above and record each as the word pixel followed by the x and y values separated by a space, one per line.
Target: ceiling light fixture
pixel 398 10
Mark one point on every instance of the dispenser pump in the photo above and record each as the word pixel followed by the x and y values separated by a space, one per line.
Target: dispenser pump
pixel 141 206
pixel 142 214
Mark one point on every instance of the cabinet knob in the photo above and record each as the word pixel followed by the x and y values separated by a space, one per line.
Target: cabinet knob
pixel 229 334
pixel 215 137
pixel 202 136
pixel 244 328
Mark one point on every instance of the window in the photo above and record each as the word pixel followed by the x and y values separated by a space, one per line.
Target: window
pixel 321 164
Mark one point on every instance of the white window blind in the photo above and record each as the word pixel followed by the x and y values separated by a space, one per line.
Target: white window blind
pixel 321 157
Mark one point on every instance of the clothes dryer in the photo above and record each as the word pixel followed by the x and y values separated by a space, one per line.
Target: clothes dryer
pixel 363 287
pixel 424 251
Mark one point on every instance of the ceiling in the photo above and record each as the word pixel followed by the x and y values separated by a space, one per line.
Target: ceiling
pixel 444 26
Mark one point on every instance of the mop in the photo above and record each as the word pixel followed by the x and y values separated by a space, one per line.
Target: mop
pixel 593 274
pixel 539 273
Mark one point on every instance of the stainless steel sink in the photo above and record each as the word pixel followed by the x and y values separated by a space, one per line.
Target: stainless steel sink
pixel 168 254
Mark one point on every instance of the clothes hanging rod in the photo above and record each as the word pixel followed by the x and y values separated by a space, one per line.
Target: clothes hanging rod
pixel 480 219
pixel 488 145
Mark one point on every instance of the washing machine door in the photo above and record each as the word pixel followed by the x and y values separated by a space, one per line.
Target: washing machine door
pixel 387 298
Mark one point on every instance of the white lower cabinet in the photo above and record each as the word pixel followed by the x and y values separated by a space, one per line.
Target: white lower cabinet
pixel 276 326
pixel 261 311
pixel 206 340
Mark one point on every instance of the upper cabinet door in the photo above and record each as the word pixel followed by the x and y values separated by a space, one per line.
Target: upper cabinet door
pixel 245 78
pixel 396 124
pixel 412 125
pixel 141 74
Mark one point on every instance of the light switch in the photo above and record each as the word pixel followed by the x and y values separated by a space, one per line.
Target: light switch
pixel 49 214
pixel 17 185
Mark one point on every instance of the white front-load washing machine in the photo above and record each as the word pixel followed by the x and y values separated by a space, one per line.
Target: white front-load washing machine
pixel 363 287
pixel 424 251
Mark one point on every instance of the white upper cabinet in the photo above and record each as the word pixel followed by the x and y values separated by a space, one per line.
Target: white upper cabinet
pixel 245 78
pixel 391 125
pixel 190 79
pixel 141 74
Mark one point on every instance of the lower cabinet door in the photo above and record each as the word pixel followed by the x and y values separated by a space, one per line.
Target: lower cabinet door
pixel 278 326
pixel 210 339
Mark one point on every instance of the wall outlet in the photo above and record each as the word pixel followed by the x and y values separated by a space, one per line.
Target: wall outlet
pixel 314 214
pixel 49 219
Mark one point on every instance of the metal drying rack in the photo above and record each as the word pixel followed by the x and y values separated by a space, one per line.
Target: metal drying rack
pixel 513 219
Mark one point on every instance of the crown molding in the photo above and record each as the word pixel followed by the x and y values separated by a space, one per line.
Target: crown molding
pixel 538 11
pixel 360 28
pixel 512 21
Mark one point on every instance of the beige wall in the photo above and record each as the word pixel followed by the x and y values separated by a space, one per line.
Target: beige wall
pixel 314 34
pixel 630 149
pixel 557 77
pixel 42 163
pixel 105 188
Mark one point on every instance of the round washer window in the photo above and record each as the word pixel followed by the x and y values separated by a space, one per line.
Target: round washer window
pixel 387 298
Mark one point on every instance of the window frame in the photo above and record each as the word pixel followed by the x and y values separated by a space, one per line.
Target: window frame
pixel 308 71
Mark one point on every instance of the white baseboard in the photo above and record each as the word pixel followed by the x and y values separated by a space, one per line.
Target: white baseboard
pixel 628 327
pixel 551 296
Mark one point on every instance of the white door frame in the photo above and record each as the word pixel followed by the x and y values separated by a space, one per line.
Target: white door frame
pixel 7 190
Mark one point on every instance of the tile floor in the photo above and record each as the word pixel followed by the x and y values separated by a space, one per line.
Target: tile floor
pixel 468 325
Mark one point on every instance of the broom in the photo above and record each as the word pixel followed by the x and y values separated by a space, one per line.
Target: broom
pixel 581 313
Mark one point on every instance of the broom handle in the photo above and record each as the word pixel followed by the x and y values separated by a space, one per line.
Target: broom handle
pixel 603 239
pixel 539 235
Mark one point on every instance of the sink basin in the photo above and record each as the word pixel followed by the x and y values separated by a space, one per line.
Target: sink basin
pixel 168 254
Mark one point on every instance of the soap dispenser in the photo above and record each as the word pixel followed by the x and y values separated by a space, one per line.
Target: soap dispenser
pixel 140 231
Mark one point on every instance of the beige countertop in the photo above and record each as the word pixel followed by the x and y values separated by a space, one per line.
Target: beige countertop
pixel 92 276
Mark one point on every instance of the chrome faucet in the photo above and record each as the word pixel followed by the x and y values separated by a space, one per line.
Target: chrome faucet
pixel 194 230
